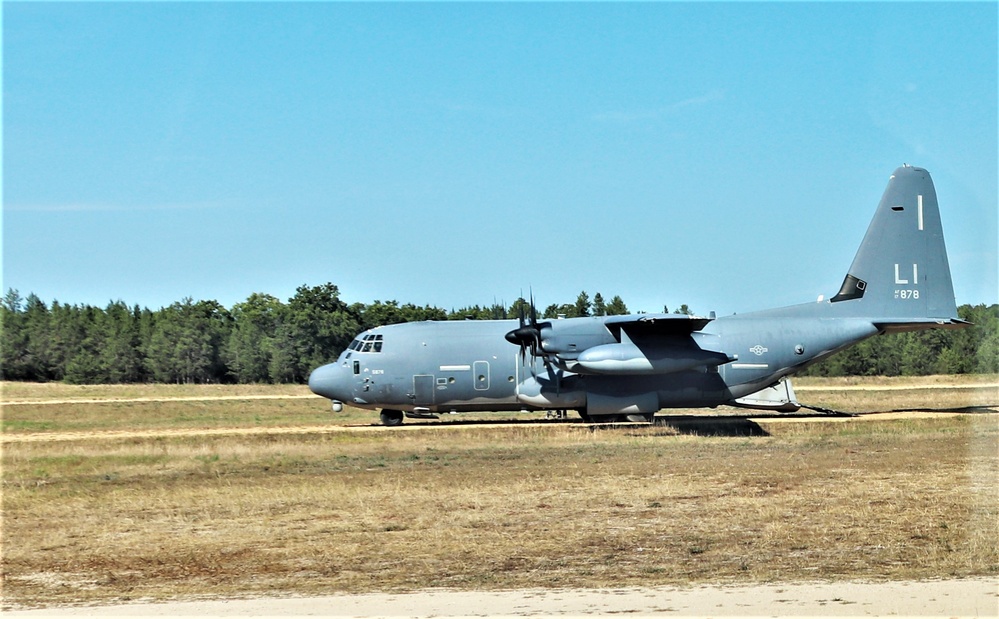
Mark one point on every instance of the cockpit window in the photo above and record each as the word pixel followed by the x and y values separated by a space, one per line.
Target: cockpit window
pixel 371 342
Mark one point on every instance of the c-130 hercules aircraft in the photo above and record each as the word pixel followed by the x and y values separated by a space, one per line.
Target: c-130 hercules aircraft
pixel 612 368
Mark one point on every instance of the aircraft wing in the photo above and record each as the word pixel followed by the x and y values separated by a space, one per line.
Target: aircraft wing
pixel 647 344
pixel 658 324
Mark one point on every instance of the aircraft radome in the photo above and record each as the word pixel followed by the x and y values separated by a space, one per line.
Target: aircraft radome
pixel 610 368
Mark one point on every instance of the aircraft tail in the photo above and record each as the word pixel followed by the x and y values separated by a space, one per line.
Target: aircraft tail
pixel 900 277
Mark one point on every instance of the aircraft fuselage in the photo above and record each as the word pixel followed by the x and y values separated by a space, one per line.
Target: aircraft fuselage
pixel 432 367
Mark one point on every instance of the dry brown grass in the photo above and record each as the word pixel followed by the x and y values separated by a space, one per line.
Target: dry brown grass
pixel 548 505
pixel 936 393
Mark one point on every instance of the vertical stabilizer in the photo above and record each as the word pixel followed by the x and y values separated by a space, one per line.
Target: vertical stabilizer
pixel 900 277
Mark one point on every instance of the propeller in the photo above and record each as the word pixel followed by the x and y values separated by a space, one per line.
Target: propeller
pixel 527 335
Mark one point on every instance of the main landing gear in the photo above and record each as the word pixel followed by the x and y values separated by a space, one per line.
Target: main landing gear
pixel 391 417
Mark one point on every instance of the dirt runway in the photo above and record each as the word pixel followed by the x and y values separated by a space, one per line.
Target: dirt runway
pixel 40 437
pixel 972 597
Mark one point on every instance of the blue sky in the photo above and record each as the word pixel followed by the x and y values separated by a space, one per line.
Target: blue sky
pixel 727 156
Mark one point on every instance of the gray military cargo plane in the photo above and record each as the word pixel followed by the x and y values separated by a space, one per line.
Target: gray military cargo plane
pixel 611 368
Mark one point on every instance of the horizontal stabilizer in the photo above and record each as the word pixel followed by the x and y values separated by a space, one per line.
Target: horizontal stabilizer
pixel 900 325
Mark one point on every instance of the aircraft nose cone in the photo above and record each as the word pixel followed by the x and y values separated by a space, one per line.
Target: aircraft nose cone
pixel 325 381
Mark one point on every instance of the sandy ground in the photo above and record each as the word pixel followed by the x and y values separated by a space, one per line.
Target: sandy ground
pixel 974 597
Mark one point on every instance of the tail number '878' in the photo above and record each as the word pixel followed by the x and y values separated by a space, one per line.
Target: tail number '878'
pixel 906 294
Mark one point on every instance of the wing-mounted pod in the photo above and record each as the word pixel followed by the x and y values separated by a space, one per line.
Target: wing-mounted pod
pixel 650 344
pixel 628 358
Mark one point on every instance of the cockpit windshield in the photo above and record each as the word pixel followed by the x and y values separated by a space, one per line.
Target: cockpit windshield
pixel 371 342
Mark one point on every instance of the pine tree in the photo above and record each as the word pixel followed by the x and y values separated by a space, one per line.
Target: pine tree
pixel 599 307
pixel 616 307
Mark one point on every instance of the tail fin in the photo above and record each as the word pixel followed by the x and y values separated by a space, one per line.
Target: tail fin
pixel 900 277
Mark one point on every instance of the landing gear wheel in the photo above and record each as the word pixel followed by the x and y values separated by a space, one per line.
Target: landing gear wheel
pixel 391 417
pixel 583 415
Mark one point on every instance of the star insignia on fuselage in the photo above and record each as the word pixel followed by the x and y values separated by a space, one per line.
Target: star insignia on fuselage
pixel 758 350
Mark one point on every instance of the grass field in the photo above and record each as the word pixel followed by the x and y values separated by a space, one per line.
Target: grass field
pixel 104 517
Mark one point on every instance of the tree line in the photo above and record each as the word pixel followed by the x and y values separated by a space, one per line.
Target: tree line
pixel 261 339
pixel 264 339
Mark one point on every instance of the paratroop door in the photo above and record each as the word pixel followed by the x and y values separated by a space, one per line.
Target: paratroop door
pixel 423 388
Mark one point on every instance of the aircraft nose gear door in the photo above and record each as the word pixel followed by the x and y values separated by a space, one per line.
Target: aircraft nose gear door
pixel 423 389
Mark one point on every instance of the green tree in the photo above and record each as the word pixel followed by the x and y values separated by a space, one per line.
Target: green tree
pixel 469 312
pixel 987 357
pixel 83 364
pixel 120 356
pixel 599 307
pixel 582 306
pixel 67 335
pixel 37 324
pixel 250 345
pixel 554 311
pixel 983 354
pixel 378 313
pixel 616 307
pixel 520 307
pixel 313 331
pixel 186 342
pixel 14 346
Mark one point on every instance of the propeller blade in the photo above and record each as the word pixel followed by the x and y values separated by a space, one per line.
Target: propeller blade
pixel 527 335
